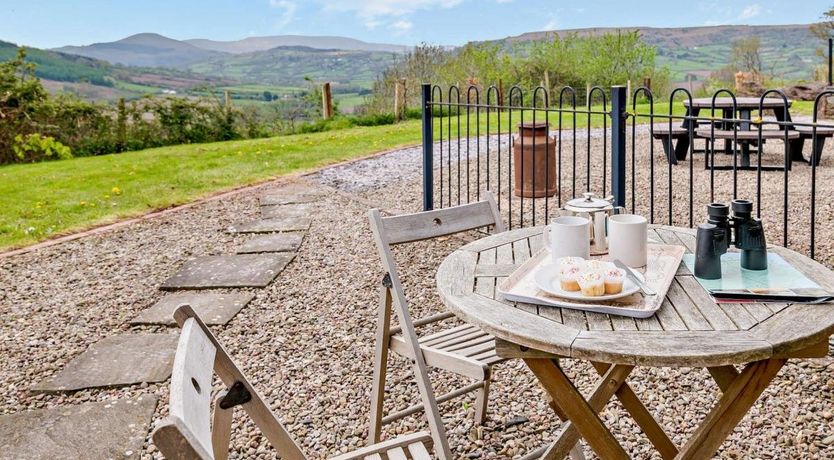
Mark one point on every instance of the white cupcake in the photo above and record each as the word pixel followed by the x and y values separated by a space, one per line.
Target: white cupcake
pixel 571 262
pixel 592 283
pixel 614 280
pixel 598 265
pixel 569 277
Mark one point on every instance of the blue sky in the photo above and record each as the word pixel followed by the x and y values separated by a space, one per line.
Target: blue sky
pixel 51 23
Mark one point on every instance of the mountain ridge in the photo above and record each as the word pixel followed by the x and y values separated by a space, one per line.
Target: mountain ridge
pixel 263 43
pixel 142 50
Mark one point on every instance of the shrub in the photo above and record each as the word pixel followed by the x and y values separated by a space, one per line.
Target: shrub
pixel 374 119
pixel 34 147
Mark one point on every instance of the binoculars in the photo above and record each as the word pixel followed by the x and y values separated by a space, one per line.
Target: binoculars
pixel 722 230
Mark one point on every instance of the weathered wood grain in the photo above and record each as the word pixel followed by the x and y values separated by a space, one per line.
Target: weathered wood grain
pixel 674 349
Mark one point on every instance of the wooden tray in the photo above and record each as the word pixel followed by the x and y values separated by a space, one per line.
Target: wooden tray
pixel 663 262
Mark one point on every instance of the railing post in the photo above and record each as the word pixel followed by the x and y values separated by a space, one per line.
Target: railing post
pixel 428 149
pixel 618 145
pixel 830 49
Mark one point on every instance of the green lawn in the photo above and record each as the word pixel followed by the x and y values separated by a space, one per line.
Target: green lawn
pixel 44 200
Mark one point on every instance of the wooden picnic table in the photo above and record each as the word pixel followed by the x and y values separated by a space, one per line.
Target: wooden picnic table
pixel 724 108
pixel 689 330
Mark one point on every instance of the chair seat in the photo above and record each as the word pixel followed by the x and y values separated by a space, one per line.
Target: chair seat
pixel 409 447
pixel 463 349
pixel 415 451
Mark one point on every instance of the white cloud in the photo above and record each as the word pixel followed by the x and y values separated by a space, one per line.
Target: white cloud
pixel 401 26
pixel 287 11
pixel 374 13
pixel 552 24
pixel 750 11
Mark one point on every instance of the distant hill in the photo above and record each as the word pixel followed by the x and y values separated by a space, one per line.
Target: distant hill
pixel 56 66
pixel 290 65
pixel 278 60
pixel 789 51
pixel 143 50
pixel 252 44
pixel 95 79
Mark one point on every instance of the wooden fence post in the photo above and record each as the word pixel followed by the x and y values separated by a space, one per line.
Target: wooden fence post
pixel 326 101
pixel 628 92
pixel 399 100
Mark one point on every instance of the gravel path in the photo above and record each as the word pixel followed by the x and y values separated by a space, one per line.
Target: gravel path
pixel 307 339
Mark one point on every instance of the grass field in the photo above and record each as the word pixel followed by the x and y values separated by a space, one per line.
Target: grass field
pixel 43 200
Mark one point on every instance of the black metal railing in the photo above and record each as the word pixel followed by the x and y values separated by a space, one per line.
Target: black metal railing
pixel 468 148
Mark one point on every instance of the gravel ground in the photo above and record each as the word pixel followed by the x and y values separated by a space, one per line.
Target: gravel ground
pixel 307 339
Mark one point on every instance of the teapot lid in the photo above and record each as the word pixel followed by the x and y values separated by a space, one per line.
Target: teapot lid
pixel 589 202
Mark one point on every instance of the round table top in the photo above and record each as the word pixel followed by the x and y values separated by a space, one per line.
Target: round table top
pixel 741 102
pixel 690 329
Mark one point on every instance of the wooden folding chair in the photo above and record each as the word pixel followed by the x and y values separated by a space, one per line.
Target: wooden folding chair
pixel 192 432
pixel 464 350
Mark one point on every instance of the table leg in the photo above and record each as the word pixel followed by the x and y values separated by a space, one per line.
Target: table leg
pixel 657 436
pixel 577 409
pixel 728 144
pixel 739 397
pixel 816 151
pixel 723 376
pixel 613 377
pixel 744 114
pixel 745 154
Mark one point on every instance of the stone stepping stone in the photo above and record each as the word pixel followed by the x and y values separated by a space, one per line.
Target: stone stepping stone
pixel 234 271
pixel 292 224
pixel 279 198
pixel 279 242
pixel 213 308
pixel 100 430
pixel 124 359
pixel 286 211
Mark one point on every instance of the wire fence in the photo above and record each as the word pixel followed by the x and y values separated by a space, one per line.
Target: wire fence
pixel 667 160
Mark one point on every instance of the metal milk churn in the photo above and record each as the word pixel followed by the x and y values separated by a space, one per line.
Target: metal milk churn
pixel 597 211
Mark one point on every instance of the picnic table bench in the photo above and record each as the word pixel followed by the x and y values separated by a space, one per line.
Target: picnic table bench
pixel 676 142
pixel 746 137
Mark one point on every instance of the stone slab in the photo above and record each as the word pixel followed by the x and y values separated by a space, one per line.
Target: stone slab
pixel 234 271
pixel 124 359
pixel 285 211
pixel 213 308
pixel 96 431
pixel 279 242
pixel 291 224
pixel 278 198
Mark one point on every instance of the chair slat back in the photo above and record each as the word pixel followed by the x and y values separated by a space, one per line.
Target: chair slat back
pixel 188 432
pixel 186 436
pixel 425 225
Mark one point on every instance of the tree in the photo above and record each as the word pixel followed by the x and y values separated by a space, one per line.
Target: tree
pixel 20 95
pixel 746 55
pixel 823 29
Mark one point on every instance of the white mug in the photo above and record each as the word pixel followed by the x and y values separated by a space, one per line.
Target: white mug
pixel 628 237
pixel 571 237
